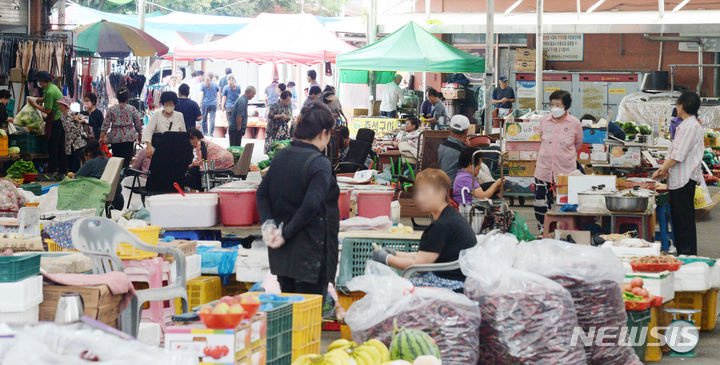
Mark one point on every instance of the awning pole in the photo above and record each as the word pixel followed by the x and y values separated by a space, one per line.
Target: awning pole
pixel 489 63
pixel 539 48
pixel 371 38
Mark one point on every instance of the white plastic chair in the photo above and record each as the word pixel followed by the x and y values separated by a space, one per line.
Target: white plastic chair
pixel 98 239
pixel 111 175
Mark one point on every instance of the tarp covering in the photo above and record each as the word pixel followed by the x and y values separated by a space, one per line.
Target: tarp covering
pixel 361 77
pixel 273 38
pixel 411 48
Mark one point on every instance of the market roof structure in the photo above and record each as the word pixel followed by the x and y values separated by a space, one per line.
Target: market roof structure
pixel 411 48
pixel 305 41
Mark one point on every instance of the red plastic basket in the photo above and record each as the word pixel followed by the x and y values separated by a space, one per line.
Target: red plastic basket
pixel 222 321
pixel 636 266
pixel 632 305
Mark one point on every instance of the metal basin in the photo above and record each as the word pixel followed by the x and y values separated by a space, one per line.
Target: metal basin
pixel 626 203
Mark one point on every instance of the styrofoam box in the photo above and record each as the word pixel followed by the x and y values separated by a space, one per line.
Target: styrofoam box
pixel 715 276
pixel 214 244
pixel 193 267
pixel 693 277
pixel 654 250
pixel 150 333
pixel 29 315
pixel 21 295
pixel 189 211
pixel 659 284
pixel 252 265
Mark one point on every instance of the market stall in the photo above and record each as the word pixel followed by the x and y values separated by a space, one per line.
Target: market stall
pixel 412 49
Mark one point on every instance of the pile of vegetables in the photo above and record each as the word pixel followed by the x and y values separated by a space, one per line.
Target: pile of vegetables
pixel 630 128
pixel 645 129
pixel 711 134
pixel 634 291
pixel 276 146
pixel 19 168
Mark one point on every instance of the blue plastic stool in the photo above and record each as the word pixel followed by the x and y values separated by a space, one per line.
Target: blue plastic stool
pixel 665 235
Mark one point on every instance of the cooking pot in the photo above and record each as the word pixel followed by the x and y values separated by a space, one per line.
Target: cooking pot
pixel 593 199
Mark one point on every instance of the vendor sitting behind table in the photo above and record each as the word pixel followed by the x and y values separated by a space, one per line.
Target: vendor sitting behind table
pixel 94 166
pixel 464 179
pixel 213 152
pixel 442 242
pixel 613 128
pixel 407 140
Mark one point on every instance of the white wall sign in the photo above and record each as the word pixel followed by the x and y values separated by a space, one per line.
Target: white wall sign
pixel 564 47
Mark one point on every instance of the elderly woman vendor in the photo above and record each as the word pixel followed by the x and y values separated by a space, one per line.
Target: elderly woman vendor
pixel 442 242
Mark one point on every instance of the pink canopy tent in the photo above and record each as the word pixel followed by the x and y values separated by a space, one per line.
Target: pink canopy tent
pixel 272 38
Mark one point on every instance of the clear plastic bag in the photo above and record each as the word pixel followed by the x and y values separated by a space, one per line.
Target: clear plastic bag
pixel 593 277
pixel 451 319
pixel 527 319
pixel 30 118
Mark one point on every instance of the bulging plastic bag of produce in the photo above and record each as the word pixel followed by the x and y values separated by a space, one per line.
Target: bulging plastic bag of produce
pixel 451 319
pixel 593 276
pixel 526 318
pixel 30 118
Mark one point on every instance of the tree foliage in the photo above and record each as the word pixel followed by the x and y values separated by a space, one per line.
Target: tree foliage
pixel 248 8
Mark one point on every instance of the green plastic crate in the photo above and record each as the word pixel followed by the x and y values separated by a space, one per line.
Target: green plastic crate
pixel 29 143
pixel 16 268
pixel 279 334
pixel 357 251
pixel 638 320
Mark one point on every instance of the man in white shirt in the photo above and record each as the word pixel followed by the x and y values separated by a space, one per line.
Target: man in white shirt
pixel 392 94
pixel 196 83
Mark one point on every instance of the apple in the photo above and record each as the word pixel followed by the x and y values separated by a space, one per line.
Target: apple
pixel 250 299
pixel 206 309
pixel 227 299
pixel 236 308
pixel 637 291
pixel 636 282
pixel 627 287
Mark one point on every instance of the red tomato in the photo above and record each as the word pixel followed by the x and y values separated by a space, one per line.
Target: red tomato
pixel 636 282
pixel 638 291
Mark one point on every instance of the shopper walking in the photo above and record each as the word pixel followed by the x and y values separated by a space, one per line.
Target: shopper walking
pixel 301 220
pixel 210 92
pixel 95 116
pixel 224 80
pixel 74 129
pixel 279 115
pixel 122 127
pixel 230 94
pixel 561 137
pixel 188 107
pixel 683 170
pixel 57 164
pixel 164 120
pixel 238 123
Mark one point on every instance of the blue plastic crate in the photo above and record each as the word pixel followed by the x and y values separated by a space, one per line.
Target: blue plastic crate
pixel 594 136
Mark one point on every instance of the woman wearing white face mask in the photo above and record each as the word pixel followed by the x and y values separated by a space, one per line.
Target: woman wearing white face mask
pixel 164 120
pixel 121 127
pixel 560 138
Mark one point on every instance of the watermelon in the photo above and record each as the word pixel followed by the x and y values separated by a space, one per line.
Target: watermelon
pixel 408 344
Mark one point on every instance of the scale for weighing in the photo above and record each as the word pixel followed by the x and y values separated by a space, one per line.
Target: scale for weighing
pixel 682 336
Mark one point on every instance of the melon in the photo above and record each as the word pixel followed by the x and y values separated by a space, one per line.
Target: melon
pixel 409 344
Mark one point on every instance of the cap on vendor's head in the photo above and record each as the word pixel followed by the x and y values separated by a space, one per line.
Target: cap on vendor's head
pixel 65 101
pixel 459 123
pixel 502 78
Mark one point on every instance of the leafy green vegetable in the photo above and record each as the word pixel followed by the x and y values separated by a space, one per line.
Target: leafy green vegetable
pixel 19 168
pixel 645 129
pixel 711 134
pixel 632 297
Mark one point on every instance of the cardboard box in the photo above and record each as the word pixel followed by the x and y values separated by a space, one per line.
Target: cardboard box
pixel 258 356
pixel 99 302
pixel 452 93
pixel 525 54
pixel 522 131
pixel 528 155
pixel 520 168
pixel 230 346
pixel 258 330
pixel 359 112
pixel 622 156
pixel 522 145
pixel 517 184
pixel 513 155
pixel 579 237
pixel 524 66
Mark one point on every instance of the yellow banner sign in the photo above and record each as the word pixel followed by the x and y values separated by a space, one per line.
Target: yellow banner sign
pixel 377 124
pixel 551 89
pixel 616 91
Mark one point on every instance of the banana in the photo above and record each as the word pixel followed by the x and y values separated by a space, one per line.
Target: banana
pixel 330 360
pixel 340 354
pixel 305 359
pixel 342 344
pixel 373 352
pixel 384 352
pixel 364 358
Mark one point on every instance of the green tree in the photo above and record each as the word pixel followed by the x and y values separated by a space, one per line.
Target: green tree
pixel 248 8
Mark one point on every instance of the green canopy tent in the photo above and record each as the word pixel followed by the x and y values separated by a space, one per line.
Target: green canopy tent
pixel 410 48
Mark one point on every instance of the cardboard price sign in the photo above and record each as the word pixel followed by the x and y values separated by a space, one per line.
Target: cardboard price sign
pixel 377 124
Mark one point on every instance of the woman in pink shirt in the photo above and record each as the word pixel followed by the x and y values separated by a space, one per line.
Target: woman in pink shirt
pixel 561 137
